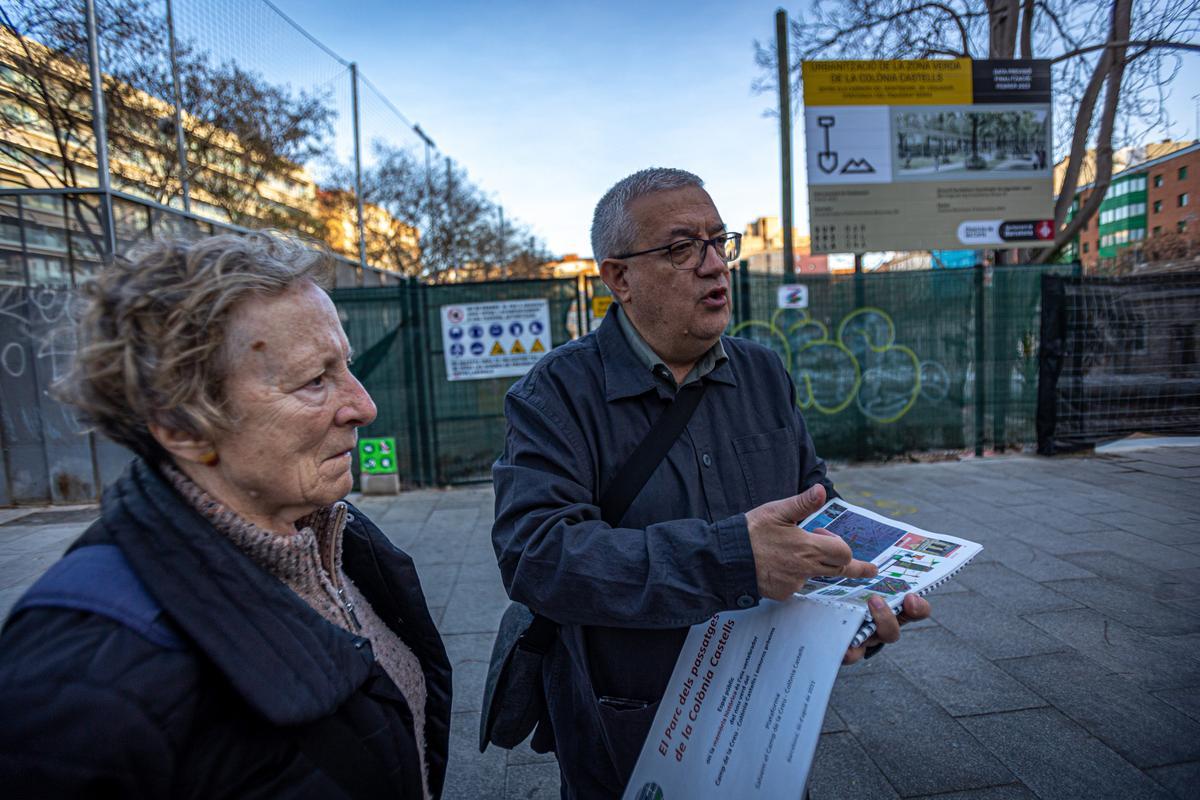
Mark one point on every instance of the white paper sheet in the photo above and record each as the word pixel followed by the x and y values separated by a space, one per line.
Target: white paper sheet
pixel 743 711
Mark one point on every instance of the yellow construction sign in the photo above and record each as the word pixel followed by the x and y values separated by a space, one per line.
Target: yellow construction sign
pixel 537 347
pixel 890 83
pixel 497 349
pixel 517 348
pixel 600 305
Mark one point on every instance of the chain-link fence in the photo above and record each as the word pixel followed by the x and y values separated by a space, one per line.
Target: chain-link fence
pixel 201 113
pixel 1120 356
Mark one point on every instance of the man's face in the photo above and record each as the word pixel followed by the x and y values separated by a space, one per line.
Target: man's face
pixel 681 313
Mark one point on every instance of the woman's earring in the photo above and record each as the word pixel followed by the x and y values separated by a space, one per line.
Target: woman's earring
pixel 210 458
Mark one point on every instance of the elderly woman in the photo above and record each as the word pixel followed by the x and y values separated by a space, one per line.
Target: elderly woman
pixel 229 627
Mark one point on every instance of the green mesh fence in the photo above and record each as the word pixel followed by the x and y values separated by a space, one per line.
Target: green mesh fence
pixel 886 363
pixel 883 364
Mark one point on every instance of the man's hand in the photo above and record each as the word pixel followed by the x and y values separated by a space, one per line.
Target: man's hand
pixel 887 624
pixel 786 556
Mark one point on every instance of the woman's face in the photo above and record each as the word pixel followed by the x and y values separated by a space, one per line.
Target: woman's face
pixel 295 408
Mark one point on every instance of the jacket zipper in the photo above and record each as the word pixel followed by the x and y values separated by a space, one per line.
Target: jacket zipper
pixel 337 525
pixel 348 604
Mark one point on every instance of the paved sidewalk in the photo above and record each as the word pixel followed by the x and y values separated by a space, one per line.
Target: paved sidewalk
pixel 1064 663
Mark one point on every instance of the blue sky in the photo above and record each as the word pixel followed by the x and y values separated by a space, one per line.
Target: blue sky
pixel 547 104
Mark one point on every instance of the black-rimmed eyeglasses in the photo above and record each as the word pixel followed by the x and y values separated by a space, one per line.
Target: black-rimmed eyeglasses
pixel 690 253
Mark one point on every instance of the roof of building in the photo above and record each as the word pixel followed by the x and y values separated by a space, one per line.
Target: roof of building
pixel 1147 165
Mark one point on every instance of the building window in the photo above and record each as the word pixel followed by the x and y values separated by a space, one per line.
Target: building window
pixel 1157 181
pixel 1158 230
pixel 1085 247
pixel 1183 173
pixel 1181 226
pixel 1157 206
pixel 1183 199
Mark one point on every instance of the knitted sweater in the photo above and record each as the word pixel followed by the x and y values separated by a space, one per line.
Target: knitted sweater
pixel 309 563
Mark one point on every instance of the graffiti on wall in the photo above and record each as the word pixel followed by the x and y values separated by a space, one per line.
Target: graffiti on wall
pixel 860 362
pixel 37 343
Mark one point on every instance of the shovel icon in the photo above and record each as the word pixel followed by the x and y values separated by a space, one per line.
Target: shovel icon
pixel 827 160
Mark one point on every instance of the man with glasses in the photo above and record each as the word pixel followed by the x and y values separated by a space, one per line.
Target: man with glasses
pixel 714 526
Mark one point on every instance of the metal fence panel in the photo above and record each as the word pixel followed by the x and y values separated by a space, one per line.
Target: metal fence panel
pixel 467 417
pixel 1122 356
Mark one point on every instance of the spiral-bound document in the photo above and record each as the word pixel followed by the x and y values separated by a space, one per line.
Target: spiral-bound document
pixel 910 560
pixel 742 713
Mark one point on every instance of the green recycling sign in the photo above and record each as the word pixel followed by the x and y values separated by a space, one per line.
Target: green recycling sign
pixel 377 456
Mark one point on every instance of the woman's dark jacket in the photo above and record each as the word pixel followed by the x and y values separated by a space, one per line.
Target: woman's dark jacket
pixel 90 707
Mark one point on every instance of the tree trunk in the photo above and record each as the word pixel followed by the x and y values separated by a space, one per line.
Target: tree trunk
pixel 1110 70
pixel 1003 16
pixel 1027 29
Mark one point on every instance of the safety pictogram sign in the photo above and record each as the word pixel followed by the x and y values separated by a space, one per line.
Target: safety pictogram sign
pixel 494 340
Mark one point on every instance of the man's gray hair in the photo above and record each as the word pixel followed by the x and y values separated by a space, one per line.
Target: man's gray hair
pixel 612 230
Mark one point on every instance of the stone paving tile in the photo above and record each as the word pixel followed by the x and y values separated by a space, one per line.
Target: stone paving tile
pixel 471 775
pixel 1154 662
pixel 1128 606
pixel 1154 530
pixel 842 769
pixel 469 655
pixel 1185 700
pixel 1059 519
pixel 474 607
pixel 1056 758
pixel 1049 541
pixel 481 572
pixel 40 539
pixel 1011 591
pixel 912 740
pixel 532 782
pixel 1082 498
pixel 1141 550
pixel 991 631
pixel 832 722
pixel 437 582
pixel 956 677
pixel 9 514
pixel 1140 727
pixel 1012 791
pixel 1179 779
pixel 438 547
pixel 523 754
pixel 24 568
pixel 1156 583
pixel 1029 561
pixel 1167 471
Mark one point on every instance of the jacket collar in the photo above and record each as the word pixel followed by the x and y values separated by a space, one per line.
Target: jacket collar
pixel 282 657
pixel 625 374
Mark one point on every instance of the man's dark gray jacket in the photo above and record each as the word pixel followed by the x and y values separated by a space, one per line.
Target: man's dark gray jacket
pixel 625 596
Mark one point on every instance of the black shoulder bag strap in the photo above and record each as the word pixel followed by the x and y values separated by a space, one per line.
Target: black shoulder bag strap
pixel 626 486
pixel 636 470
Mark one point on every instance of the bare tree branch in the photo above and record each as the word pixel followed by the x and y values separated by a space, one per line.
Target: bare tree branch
pixel 1145 44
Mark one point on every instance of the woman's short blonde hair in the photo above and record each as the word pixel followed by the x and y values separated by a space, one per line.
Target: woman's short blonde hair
pixel 153 325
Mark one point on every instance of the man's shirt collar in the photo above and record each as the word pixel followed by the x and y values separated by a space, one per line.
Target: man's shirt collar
pixel 631 366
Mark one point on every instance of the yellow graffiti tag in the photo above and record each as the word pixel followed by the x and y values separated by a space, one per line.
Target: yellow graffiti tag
pixel 807 340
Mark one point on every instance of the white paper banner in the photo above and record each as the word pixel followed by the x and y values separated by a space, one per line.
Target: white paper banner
pixel 743 710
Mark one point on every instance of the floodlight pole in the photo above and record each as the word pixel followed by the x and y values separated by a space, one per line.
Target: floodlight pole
pixel 100 130
pixel 429 146
pixel 785 136
pixel 180 143
pixel 358 186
